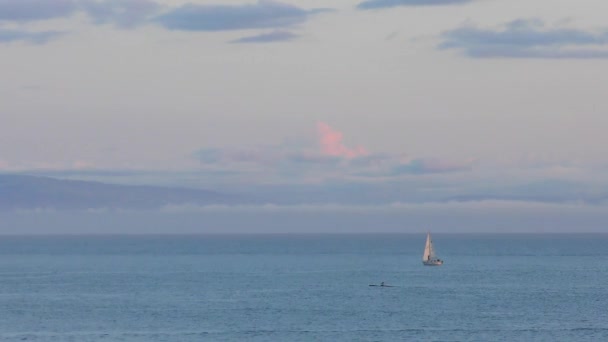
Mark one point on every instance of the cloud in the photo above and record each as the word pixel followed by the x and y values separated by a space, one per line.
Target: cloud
pixel 546 190
pixel 526 39
pixel 124 14
pixel 331 144
pixel 42 37
pixel 331 151
pixel 267 160
pixel 329 159
pixel 275 36
pixel 28 10
pixel 374 4
pixel 260 15
pixel 295 178
pixel 312 157
pixel 249 155
pixel 425 166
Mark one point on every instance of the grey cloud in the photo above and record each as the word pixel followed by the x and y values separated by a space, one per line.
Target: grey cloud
pixel 253 155
pixel 374 4
pixel 545 191
pixel 189 17
pixel 299 164
pixel 85 173
pixel 208 155
pixel 526 39
pixel 383 166
pixel 275 36
pixel 312 158
pixel 263 14
pixel 124 14
pixel 42 37
pixel 27 10
pixel 268 156
pixel 371 160
pixel 425 166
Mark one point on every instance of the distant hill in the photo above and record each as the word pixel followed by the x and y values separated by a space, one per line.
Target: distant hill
pixel 33 192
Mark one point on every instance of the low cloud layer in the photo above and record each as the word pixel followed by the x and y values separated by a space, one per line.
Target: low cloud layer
pixel 526 39
pixel 433 192
pixel 375 4
pixel 425 166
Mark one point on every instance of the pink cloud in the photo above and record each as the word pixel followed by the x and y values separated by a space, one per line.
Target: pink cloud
pixel 331 144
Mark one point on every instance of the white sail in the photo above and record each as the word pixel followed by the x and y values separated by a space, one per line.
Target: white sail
pixel 428 249
pixel 429 258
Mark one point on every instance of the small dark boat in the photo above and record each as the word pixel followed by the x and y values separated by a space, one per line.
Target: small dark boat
pixel 382 284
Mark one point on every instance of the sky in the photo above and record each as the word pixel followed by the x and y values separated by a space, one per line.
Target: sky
pixel 399 105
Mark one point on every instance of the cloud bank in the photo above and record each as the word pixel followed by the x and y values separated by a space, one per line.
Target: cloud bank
pixel 331 158
pixel 425 166
pixel 375 4
pixel 526 39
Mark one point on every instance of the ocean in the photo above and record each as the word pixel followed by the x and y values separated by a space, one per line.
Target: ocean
pixel 495 287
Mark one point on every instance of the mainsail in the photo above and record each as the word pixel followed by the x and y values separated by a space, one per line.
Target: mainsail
pixel 429 253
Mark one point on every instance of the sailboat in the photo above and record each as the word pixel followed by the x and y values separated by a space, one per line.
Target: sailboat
pixel 429 258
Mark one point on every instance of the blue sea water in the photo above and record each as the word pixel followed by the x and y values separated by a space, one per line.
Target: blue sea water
pixel 512 287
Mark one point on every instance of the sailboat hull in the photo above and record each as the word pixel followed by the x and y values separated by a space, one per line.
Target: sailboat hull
pixel 433 263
